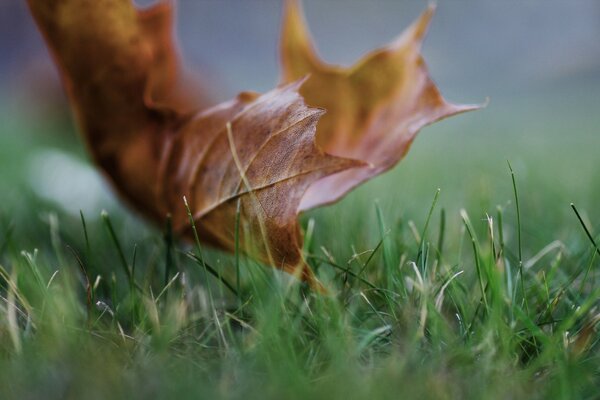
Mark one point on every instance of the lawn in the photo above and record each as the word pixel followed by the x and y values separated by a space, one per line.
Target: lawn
pixel 447 279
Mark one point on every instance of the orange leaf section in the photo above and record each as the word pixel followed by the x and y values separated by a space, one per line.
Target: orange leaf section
pixel 255 153
pixel 374 108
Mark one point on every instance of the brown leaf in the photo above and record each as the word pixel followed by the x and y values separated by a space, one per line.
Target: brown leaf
pixel 126 84
pixel 374 108
pixel 121 72
pixel 265 158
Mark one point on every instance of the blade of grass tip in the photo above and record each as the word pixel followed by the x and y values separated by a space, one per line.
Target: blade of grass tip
pixel 516 194
pixel 439 299
pixel 89 290
pixel 55 238
pixel 461 241
pixel 500 229
pixel 387 256
pixel 52 278
pixel 471 233
pixel 135 299
pixel 424 231
pixel 440 242
pixel 85 235
pixel 490 222
pixel 117 244
pixel 168 240
pixel 520 247
pixel 238 209
pixel 30 260
pixel 494 273
pixel 308 236
pixel 501 255
pixel 88 248
pixel 194 230
pixel 587 231
pixel 166 288
pixel 505 262
pixel 198 248
pixel 414 231
pixel 133 260
pixel 373 252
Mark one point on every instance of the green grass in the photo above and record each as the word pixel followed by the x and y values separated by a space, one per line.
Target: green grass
pixel 485 288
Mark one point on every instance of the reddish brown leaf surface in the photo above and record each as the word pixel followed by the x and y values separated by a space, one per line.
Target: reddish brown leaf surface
pixel 374 108
pixel 257 153
pixel 265 158
pixel 123 76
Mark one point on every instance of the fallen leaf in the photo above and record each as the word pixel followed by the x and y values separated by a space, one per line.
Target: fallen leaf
pixel 374 108
pixel 121 71
pixel 256 156
pixel 260 151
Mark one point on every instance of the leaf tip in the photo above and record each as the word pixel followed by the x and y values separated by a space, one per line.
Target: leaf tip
pixel 417 31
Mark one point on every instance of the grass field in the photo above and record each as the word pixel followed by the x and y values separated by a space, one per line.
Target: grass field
pixel 461 292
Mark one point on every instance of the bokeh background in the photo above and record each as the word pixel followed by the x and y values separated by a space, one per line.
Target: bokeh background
pixel 538 63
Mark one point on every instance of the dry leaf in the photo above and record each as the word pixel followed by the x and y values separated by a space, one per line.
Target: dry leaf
pixel 121 72
pixel 374 108
pixel 265 158
pixel 257 153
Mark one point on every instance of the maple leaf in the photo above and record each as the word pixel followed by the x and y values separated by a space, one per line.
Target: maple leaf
pixel 374 108
pixel 256 153
pixel 256 156
pixel 121 70
pixel 259 151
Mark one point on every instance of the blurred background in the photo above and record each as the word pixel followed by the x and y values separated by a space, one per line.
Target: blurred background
pixel 538 62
